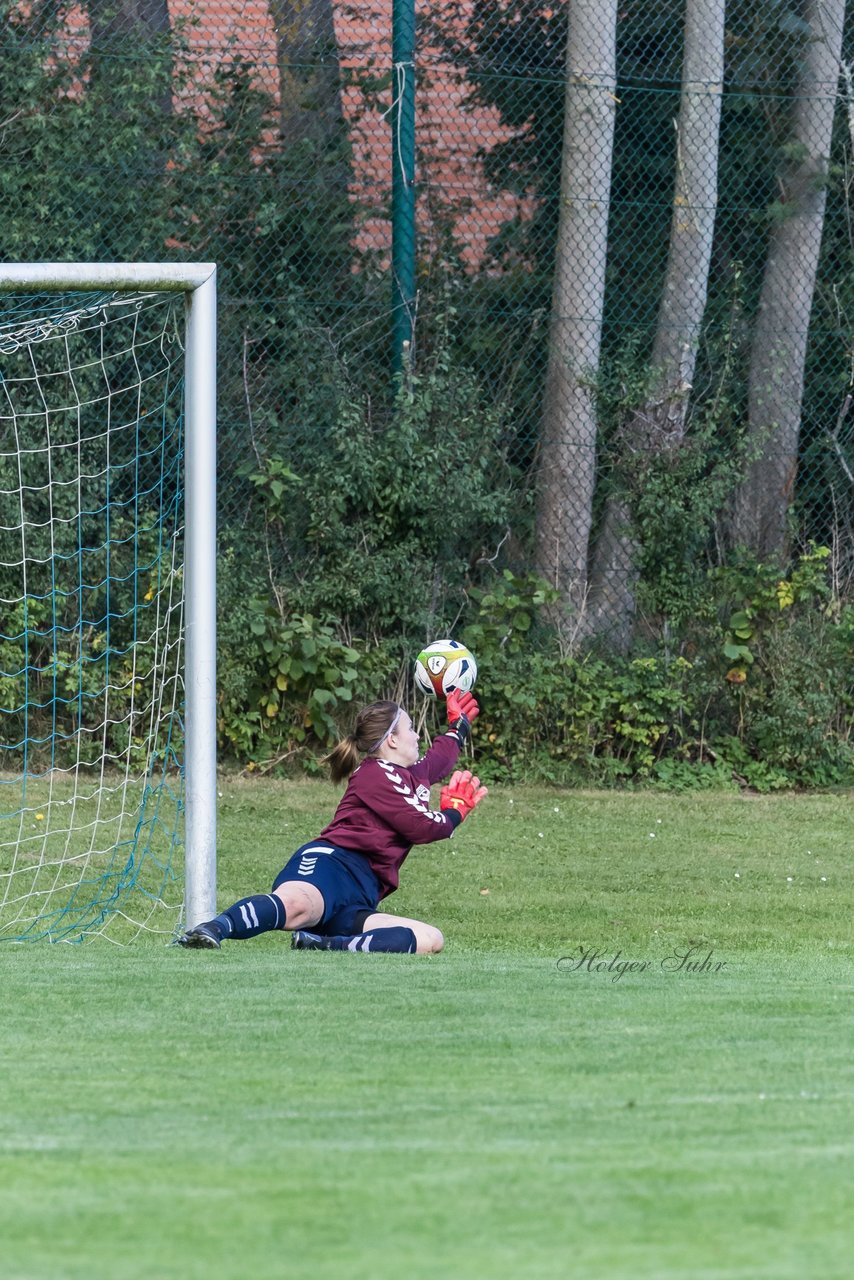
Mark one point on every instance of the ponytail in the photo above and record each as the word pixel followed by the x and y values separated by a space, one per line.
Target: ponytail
pixel 373 725
pixel 343 758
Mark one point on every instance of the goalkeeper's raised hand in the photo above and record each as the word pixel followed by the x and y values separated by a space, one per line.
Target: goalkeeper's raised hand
pixel 462 792
pixel 462 709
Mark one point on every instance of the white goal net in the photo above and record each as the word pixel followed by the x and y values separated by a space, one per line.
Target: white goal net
pixel 92 537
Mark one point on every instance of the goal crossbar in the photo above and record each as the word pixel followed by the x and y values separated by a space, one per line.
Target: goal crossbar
pixel 197 281
pixel 58 277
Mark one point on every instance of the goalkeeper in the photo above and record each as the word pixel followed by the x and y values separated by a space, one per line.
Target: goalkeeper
pixel 329 891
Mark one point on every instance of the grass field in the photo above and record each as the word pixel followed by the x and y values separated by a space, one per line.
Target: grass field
pixel 519 1106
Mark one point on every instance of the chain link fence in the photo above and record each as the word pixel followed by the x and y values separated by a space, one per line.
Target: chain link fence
pixel 559 289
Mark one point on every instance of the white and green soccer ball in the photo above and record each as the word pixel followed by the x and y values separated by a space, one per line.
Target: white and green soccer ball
pixel 443 666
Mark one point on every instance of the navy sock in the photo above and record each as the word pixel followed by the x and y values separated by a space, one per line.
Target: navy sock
pixel 396 938
pixel 251 916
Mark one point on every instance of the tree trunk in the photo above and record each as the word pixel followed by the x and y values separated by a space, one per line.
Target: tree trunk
pixel 660 424
pixel 692 227
pixel 309 71
pixel 778 351
pixel 567 461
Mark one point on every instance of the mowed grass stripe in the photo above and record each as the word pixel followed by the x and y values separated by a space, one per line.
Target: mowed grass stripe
pixel 483 1113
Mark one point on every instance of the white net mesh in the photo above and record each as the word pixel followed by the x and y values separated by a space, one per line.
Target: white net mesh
pixel 91 603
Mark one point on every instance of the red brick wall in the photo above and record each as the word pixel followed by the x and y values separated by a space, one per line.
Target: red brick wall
pixel 448 132
pixel 448 135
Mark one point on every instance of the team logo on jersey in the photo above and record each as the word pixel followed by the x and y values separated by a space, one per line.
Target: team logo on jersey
pixel 419 801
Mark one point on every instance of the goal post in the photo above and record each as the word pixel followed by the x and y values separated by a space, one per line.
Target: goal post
pixel 197 283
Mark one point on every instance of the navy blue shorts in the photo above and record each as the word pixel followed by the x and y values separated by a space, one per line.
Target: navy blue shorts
pixel 349 887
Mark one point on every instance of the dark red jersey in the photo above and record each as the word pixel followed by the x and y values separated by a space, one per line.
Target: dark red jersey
pixel 386 810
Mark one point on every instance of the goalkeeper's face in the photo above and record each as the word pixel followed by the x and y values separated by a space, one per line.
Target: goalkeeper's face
pixel 404 746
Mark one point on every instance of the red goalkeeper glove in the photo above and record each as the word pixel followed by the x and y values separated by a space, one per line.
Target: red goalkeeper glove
pixel 463 792
pixel 462 709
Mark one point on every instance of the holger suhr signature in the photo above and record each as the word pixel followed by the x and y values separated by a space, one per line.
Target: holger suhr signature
pixel 692 959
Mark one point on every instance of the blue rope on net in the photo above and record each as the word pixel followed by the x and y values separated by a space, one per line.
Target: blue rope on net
pixel 91 615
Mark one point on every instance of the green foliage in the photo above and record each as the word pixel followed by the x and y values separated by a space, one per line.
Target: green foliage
pixel 310 673
pixel 506 612
pixel 587 718
pixel 794 709
pixel 669 719
pixel 71 688
pixel 53 106
pixel 361 520
pixel 561 716
pixel 761 595
pixel 392 506
pixel 785 654
pixel 275 480
pixel 285 682
pixel 671 773
pixel 750 770
pixel 675 722
pixel 674 494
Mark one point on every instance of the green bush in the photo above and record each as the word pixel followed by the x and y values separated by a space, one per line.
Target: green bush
pixel 391 507
pixel 678 721
pixel 674 719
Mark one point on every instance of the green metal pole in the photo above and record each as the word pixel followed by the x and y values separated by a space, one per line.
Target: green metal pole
pixel 403 184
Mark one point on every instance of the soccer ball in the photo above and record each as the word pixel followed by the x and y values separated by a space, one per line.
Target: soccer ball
pixel 443 666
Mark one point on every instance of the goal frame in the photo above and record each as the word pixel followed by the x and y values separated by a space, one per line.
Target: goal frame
pixel 197 281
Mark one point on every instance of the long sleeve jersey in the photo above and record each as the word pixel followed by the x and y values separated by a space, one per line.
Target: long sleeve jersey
pixel 386 810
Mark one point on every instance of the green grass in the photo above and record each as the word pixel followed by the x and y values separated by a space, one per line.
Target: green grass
pixel 485 1113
